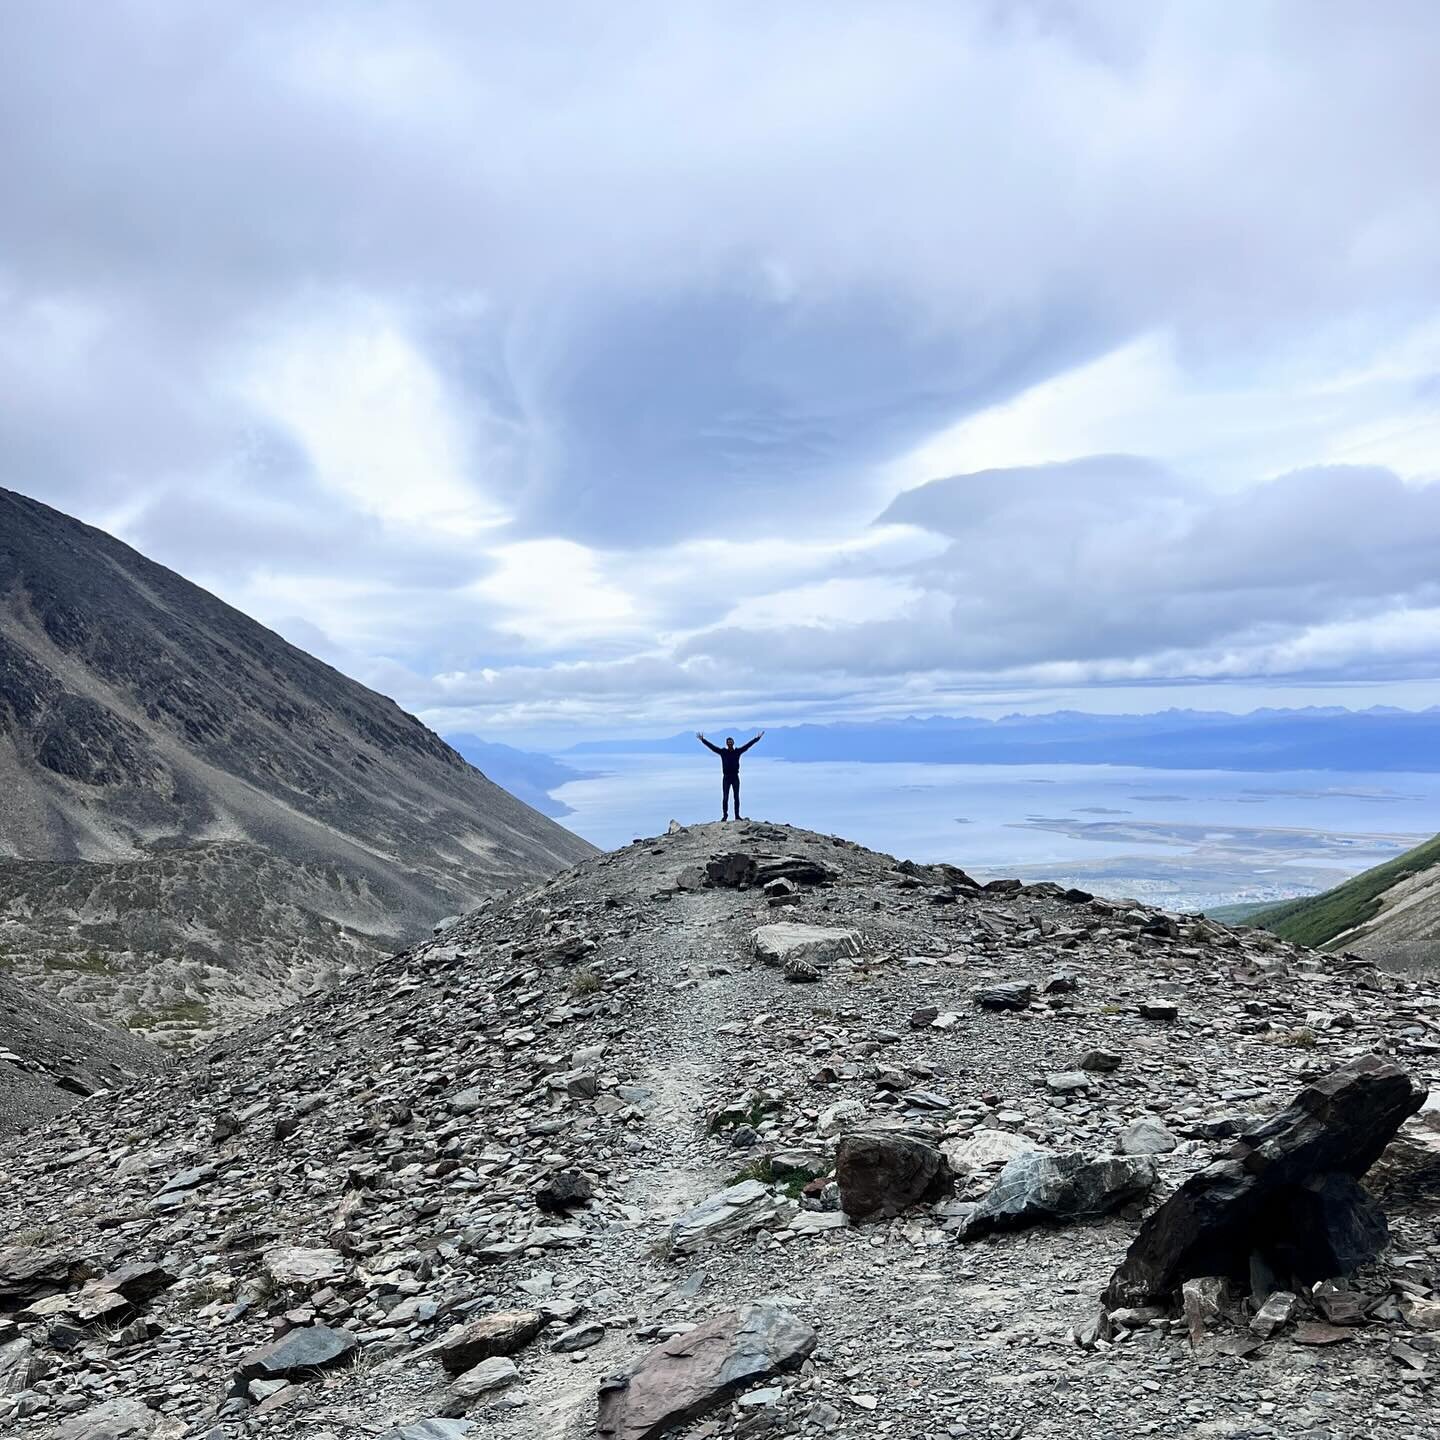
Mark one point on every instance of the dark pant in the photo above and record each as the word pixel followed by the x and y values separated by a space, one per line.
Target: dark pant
pixel 729 783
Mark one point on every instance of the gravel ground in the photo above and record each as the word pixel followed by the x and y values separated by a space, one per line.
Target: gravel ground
pixel 597 1023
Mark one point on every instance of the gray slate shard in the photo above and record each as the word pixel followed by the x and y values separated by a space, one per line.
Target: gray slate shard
pixel 114 1420
pixel 880 1173
pixel 492 1374
pixel 430 1430
pixel 1246 1203
pixel 691 1374
pixel 734 1211
pixel 17 1366
pixel 502 1333
pixel 137 1281
pixel 308 1347
pixel 1038 1186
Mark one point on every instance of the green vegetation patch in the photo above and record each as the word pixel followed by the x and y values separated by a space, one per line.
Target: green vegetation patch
pixel 1318 919
pixel 181 1012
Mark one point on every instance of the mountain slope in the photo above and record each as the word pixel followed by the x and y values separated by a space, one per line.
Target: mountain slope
pixel 1389 913
pixel 609 1045
pixel 50 1056
pixel 143 721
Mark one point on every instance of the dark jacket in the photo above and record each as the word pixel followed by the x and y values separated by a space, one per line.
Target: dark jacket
pixel 729 757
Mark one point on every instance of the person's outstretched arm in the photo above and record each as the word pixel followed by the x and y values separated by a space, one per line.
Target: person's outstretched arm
pixel 706 743
pixel 755 741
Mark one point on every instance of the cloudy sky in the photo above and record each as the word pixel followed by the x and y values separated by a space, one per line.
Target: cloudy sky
pixel 596 368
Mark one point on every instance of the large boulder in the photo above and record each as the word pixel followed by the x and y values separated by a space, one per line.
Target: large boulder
pixel 880 1173
pixel 784 942
pixel 1039 1186
pixel 691 1374
pixel 734 1211
pixel 1244 1208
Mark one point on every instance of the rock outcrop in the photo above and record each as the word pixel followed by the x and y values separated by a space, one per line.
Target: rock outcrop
pixel 1038 1186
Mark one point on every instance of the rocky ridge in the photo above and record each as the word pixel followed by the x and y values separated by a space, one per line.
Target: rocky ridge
pixel 561 1166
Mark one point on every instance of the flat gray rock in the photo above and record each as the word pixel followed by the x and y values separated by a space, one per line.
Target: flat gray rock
pixel 1146 1136
pixel 430 1430
pixel 737 1210
pixel 308 1347
pixel 787 942
pixel 114 1420
pixel 492 1374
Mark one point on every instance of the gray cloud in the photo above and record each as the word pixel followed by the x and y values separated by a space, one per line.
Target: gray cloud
pixel 674 274
pixel 1111 558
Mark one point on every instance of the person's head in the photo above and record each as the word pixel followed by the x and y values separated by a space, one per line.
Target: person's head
pixel 729 742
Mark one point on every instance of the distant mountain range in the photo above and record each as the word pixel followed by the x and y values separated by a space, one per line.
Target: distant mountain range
pixel 526 774
pixel 1378 739
pixel 197 819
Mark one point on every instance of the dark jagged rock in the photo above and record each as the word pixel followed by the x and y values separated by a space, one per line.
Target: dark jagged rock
pixel 563 1191
pixel 1244 1205
pixel 797 869
pixel 731 872
pixel 881 1173
pixel 1038 1186
pixel 136 1282
pixel 28 1272
pixel 1009 995
pixel 1331 1225
pixel 691 1374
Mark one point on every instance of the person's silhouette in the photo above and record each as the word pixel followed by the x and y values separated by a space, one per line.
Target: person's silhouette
pixel 729 754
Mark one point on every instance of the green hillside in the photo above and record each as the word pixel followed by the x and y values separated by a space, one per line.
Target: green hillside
pixel 1320 918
